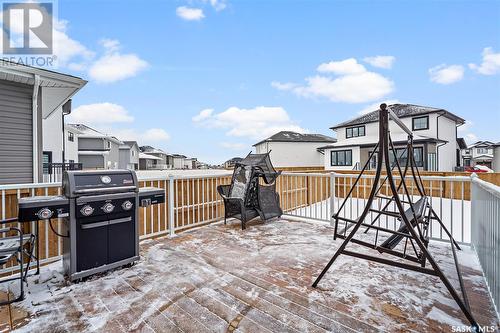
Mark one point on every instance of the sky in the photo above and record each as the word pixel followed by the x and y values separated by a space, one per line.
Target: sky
pixel 209 78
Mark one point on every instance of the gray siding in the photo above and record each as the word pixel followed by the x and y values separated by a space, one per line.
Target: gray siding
pixel 16 133
pixel 124 159
pixel 91 161
pixel 90 144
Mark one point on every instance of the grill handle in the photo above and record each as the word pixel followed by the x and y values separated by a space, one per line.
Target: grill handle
pixel 105 189
pixel 94 225
pixel 122 220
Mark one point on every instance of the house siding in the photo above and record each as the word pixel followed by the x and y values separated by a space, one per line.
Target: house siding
pixel 16 133
pixel 292 154
pixel 92 161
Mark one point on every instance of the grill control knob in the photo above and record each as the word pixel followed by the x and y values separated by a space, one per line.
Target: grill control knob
pixel 44 214
pixel 87 210
pixel 108 208
pixel 127 205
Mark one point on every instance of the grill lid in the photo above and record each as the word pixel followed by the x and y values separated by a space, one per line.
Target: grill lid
pixel 77 183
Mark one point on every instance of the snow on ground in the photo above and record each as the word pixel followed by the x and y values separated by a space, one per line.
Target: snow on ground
pixel 203 279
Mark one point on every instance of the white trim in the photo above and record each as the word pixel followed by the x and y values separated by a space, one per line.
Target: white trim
pixel 36 87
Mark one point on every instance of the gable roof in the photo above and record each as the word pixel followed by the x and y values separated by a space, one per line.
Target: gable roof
pixel 402 111
pixel 481 144
pixel 90 133
pixel 289 136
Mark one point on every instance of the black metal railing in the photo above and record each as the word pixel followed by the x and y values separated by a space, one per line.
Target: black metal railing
pixel 52 172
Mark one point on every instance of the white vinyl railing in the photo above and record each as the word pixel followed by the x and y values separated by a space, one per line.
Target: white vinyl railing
pixel 318 196
pixel 193 201
pixel 486 232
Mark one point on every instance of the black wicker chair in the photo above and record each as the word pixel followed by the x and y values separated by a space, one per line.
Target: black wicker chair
pixel 247 197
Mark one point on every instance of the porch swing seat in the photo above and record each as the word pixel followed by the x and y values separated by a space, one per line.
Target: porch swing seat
pixel 419 216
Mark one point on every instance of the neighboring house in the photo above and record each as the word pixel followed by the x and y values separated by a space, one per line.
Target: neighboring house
pixel 292 149
pixel 461 150
pixel 178 161
pixel 129 155
pixel 97 150
pixel 190 163
pixel 229 164
pixel 165 160
pixel 31 101
pixel 434 137
pixel 149 162
pixel 496 157
pixel 480 153
pixel 71 144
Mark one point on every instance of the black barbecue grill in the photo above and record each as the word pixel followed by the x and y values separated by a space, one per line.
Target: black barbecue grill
pixel 100 211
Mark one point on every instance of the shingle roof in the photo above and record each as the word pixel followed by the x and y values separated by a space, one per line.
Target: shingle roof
pixel 401 110
pixel 288 136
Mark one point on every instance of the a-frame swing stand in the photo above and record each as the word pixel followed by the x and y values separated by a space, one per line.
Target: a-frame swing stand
pixel 414 221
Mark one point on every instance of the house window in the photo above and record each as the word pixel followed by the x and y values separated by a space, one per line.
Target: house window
pixel 46 160
pixel 402 155
pixel 467 163
pixel 482 151
pixel 109 144
pixel 341 158
pixel 420 123
pixel 71 137
pixel 352 132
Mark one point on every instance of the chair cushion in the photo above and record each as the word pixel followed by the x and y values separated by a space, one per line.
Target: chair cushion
pixel 241 179
pixel 10 245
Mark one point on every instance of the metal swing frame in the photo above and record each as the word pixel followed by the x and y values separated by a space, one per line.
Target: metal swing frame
pixel 415 221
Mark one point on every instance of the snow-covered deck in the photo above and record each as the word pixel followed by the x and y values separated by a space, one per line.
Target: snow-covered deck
pixel 220 278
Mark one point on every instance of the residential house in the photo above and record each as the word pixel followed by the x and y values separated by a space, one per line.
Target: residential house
pixel 190 163
pixel 434 137
pixel 495 165
pixel 97 150
pixel 292 149
pixel 165 160
pixel 480 153
pixel 31 102
pixel 71 144
pixel 178 161
pixel 150 162
pixel 129 155
pixel 229 164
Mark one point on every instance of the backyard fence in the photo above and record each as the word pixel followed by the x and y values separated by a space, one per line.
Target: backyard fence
pixel 193 201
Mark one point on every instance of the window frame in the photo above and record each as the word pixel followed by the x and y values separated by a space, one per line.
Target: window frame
pixel 71 137
pixel 419 129
pixel 401 160
pixel 337 152
pixel 351 128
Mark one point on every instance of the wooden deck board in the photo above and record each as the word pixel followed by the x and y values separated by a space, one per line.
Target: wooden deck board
pixel 222 279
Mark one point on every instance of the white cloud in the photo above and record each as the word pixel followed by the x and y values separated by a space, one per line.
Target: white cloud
pixel 344 67
pixel 189 14
pixel 218 5
pixel 465 131
pixel 100 113
pixel 283 86
pixel 376 106
pixel 204 114
pixel 234 145
pixel 256 123
pixel 444 74
pixel 490 64
pixel 354 83
pixel 114 66
pixel 381 61
pixel 143 137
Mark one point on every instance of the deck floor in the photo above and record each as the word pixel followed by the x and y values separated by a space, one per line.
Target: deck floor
pixel 222 279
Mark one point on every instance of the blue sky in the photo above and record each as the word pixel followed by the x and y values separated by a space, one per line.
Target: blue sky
pixel 254 66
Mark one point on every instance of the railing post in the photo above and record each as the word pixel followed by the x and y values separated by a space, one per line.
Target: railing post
pixel 171 208
pixel 332 197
